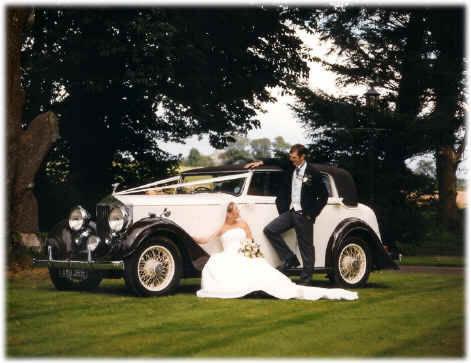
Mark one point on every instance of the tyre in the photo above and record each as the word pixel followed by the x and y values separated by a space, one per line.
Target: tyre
pixel 352 263
pixel 66 279
pixel 155 268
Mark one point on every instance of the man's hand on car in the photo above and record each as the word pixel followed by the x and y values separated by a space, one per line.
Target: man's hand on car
pixel 253 164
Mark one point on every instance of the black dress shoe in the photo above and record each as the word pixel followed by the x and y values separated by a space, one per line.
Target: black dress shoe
pixel 306 281
pixel 289 263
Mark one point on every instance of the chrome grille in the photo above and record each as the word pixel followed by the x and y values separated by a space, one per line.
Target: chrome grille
pixel 102 226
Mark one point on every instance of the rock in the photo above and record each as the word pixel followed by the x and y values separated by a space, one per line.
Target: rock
pixel 30 240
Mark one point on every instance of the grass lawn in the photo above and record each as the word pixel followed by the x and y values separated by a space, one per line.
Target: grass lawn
pixel 453 261
pixel 397 315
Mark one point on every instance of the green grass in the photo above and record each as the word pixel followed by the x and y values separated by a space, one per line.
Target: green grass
pixel 452 261
pixel 397 315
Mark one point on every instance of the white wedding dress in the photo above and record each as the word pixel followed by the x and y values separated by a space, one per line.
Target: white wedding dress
pixel 229 274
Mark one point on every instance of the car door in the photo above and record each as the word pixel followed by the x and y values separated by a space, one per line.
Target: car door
pixel 258 209
pixel 326 221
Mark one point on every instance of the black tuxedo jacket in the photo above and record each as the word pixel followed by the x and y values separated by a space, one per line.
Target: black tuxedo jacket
pixel 313 191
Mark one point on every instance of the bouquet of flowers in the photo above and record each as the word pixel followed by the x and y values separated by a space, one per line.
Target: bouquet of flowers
pixel 250 249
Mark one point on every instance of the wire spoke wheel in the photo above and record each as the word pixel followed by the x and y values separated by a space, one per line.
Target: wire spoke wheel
pixel 352 263
pixel 155 268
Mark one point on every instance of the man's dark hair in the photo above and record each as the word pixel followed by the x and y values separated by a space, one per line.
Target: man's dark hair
pixel 299 148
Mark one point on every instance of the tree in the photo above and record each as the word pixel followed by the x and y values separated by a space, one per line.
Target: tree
pixel 261 148
pixel 27 146
pixel 124 79
pixel 280 146
pixel 397 49
pixel 195 158
pixel 447 26
pixel 237 152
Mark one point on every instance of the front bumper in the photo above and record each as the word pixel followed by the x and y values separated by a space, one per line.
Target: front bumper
pixel 79 265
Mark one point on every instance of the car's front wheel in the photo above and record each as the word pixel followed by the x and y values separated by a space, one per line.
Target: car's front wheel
pixel 352 263
pixel 155 268
pixel 67 279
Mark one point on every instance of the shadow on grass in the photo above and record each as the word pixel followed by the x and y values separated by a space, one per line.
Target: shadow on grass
pixel 190 288
pixel 100 290
pixel 375 285
pixel 113 290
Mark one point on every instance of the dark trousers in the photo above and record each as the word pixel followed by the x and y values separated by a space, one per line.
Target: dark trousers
pixel 304 233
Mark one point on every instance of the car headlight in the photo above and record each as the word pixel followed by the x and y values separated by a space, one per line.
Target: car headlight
pixel 118 219
pixel 92 242
pixel 78 218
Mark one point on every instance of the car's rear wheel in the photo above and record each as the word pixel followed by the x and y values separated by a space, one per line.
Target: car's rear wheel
pixel 67 279
pixel 155 269
pixel 352 263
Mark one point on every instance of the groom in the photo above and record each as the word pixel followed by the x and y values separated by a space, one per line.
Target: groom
pixel 301 198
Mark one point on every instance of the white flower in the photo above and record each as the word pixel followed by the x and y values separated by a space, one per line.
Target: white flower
pixel 250 249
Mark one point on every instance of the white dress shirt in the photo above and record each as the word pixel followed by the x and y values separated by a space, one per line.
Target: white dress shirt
pixel 296 184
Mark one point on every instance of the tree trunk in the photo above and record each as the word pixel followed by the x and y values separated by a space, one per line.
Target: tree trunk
pixel 26 148
pixel 33 145
pixel 16 21
pixel 448 29
pixel 446 161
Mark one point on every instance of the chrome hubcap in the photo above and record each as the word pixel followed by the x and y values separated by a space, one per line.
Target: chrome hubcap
pixel 156 268
pixel 352 263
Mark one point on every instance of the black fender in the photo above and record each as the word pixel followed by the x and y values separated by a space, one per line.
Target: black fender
pixel 194 257
pixel 355 226
pixel 61 238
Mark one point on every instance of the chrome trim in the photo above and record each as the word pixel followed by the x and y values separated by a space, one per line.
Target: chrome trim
pixel 49 252
pixel 80 265
pixel 165 213
pixel 102 226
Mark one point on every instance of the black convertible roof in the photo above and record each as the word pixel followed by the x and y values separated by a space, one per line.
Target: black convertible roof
pixel 343 179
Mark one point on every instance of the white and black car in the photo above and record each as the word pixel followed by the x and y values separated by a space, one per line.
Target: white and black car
pixel 144 234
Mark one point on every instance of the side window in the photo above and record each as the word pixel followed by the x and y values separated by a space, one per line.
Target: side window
pixel 326 181
pixel 274 183
pixel 265 183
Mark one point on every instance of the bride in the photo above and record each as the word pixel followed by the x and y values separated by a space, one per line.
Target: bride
pixel 229 274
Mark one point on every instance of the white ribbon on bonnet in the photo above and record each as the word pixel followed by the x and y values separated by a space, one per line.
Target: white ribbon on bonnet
pixel 151 186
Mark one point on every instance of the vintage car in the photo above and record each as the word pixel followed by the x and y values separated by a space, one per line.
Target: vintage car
pixel 144 234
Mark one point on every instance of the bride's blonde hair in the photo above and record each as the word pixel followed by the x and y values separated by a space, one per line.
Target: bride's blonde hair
pixel 230 208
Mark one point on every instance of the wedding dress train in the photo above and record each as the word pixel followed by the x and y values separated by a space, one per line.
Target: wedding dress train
pixel 229 274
